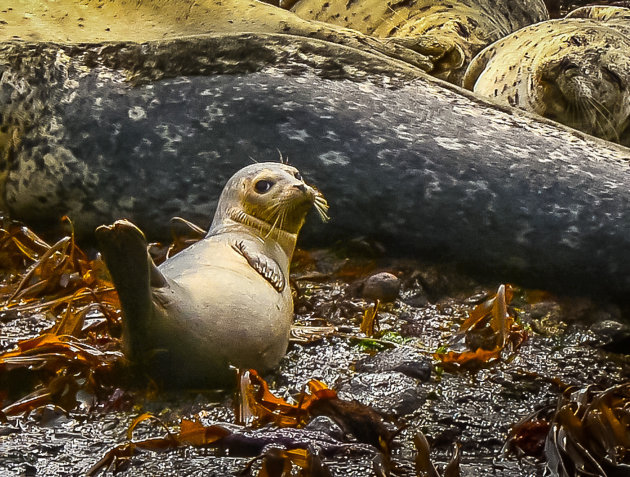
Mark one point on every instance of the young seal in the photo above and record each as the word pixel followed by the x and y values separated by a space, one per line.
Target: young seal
pixel 225 300
pixel 575 71
pixel 449 32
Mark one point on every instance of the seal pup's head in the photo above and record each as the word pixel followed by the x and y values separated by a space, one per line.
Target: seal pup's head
pixel 586 85
pixel 268 199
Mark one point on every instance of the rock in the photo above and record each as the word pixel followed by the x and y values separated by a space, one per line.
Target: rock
pixel 325 425
pixel 402 360
pixel 387 392
pixel 612 336
pixel 382 286
pixel 418 299
pixel 420 370
pixel 390 380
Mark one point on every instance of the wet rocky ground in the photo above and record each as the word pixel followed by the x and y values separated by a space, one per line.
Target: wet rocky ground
pixel 571 341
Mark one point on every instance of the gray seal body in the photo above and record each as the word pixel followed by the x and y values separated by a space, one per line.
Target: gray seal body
pixel 424 167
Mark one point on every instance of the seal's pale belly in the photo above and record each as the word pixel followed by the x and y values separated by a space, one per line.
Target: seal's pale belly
pixel 231 316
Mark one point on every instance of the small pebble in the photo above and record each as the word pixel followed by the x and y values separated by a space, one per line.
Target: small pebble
pixel 326 426
pixel 382 286
pixel 420 370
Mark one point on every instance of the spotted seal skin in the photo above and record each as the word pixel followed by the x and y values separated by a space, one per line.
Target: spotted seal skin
pixel 449 32
pixel 68 22
pixel 601 12
pixel 42 176
pixel 225 301
pixel 575 71
pixel 615 17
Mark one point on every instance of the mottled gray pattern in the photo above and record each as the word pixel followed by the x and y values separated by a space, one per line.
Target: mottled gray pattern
pixel 424 168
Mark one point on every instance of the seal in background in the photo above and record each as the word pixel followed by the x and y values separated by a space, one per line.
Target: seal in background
pixel 449 32
pixel 575 71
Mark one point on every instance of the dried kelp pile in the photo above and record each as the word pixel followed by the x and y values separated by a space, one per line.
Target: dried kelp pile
pixel 77 352
pixel 395 368
pixel 586 433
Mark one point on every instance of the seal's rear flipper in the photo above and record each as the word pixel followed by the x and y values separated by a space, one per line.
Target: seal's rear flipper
pixel 124 249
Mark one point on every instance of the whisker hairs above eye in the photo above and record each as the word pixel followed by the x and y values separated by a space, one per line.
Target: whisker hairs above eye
pixel 283 160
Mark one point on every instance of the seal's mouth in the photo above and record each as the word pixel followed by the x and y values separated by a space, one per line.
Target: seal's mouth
pixel 289 212
pixel 575 105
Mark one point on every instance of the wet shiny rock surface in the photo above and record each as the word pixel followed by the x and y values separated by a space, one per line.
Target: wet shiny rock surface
pixel 393 372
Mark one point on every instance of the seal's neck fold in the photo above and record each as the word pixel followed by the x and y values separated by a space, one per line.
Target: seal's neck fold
pixel 236 219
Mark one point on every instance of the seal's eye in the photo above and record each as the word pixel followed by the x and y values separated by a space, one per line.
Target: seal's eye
pixel 263 186
pixel 298 176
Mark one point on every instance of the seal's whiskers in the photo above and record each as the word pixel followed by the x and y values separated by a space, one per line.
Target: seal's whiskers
pixel 265 228
pixel 321 206
pixel 282 215
pixel 601 111
pixel 275 223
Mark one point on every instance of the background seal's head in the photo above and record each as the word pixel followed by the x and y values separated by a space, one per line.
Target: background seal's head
pixel 585 84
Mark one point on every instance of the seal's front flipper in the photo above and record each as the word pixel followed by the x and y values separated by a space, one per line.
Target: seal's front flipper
pixel 124 249
pixel 267 267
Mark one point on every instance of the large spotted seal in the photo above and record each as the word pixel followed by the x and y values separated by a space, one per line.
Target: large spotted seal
pixel 616 17
pixel 225 300
pixel 154 129
pixel 574 70
pixel 449 32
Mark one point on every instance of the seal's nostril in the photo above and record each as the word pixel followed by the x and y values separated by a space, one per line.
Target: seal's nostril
pixel 301 187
